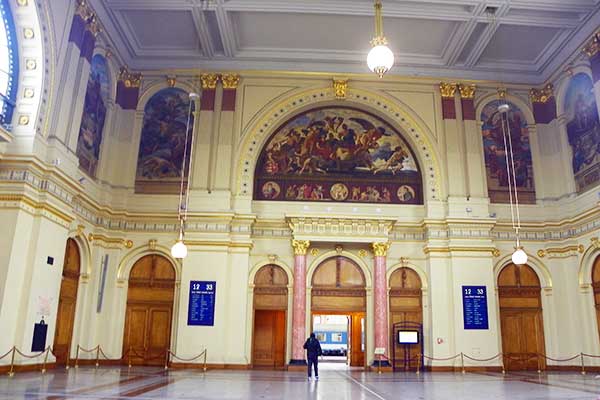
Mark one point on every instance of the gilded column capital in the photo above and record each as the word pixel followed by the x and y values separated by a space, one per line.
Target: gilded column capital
pixel 592 47
pixel 467 91
pixel 448 89
pixel 541 95
pixel 93 25
pixel 130 79
pixel 300 247
pixel 340 88
pixel 209 81
pixel 230 81
pixel 380 249
pixel 83 10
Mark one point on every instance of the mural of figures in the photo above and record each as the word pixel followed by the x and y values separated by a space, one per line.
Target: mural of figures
pixel 338 154
pixel 94 116
pixel 162 144
pixel 583 129
pixel 495 153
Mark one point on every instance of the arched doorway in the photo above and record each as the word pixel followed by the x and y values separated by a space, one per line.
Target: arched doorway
pixel 149 312
pixel 270 309
pixel 338 289
pixel 521 321
pixel 67 301
pixel 406 308
pixel 596 286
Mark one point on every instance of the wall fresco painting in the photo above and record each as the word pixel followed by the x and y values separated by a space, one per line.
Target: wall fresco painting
pixel 94 116
pixel 338 154
pixel 495 153
pixel 162 144
pixel 583 129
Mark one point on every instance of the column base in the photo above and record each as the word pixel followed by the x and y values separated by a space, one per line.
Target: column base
pixel 297 365
pixel 298 362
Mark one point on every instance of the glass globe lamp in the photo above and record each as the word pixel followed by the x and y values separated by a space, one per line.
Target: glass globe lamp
pixel 179 249
pixel 380 59
pixel 519 257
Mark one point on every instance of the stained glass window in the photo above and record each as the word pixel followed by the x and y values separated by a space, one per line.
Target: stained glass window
pixel 8 65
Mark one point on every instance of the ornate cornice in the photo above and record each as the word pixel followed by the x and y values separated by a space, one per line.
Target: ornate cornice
pixel 130 79
pixel 592 47
pixel 380 249
pixel 300 247
pixel 230 81
pixel 467 91
pixel 209 81
pixel 448 90
pixel 541 95
pixel 340 229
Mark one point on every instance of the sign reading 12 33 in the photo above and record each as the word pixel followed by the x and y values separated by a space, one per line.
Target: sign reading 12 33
pixel 201 307
pixel 475 313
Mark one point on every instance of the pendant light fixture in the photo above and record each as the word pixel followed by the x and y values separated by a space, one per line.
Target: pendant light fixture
pixel 519 257
pixel 179 249
pixel 380 59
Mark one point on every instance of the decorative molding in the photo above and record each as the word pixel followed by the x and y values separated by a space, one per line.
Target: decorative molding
pixel 272 257
pixel 541 95
pixel 448 90
pixel 561 252
pixel 362 253
pixel 380 249
pixel 592 47
pixel 463 249
pixel 340 88
pixel 83 10
pixel 130 79
pixel 300 247
pixel 152 244
pixel 467 91
pixel 108 242
pixel 230 81
pixel 315 252
pixel 339 229
pixel 209 81
pixel 501 92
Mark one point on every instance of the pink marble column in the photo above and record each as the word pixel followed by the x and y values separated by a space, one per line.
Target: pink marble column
pixel 299 303
pixel 380 296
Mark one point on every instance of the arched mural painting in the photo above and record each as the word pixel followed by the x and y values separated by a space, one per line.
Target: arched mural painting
pixel 162 143
pixel 338 154
pixel 583 128
pixel 94 116
pixel 495 153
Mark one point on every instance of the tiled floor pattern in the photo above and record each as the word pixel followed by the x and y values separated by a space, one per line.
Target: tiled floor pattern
pixel 335 384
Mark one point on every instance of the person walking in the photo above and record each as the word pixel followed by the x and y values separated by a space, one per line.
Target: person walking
pixel 313 351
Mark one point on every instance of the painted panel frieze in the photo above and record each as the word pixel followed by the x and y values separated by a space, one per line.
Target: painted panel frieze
pixel 338 154
pixel 583 129
pixel 496 149
pixel 94 116
pixel 163 142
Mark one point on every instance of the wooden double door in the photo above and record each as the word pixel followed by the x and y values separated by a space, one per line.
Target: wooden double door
pixel 67 301
pixel 150 295
pixel 268 350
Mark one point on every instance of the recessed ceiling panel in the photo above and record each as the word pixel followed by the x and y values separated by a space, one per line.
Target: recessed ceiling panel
pixel 162 28
pixel 518 43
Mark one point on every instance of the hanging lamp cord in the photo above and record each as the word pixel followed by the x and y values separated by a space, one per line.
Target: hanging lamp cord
pixel 183 165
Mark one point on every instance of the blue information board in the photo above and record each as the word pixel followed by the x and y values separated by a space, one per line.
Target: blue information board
pixel 475 313
pixel 201 308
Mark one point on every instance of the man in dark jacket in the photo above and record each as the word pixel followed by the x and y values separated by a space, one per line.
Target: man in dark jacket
pixel 313 351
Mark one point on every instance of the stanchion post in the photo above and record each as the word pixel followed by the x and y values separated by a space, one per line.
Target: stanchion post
pixel 76 358
pixel 97 356
pixel 129 358
pixel 418 364
pixel 11 371
pixel 45 360
pixel 539 364
pixel 462 362
pixel 582 365
pixel 204 360
pixel 502 363
pixel 167 359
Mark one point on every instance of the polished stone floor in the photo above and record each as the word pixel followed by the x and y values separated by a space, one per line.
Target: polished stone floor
pixel 336 382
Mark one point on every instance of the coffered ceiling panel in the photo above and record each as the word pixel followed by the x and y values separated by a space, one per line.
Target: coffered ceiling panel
pixel 514 40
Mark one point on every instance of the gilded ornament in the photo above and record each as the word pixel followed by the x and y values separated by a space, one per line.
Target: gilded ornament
pixel 380 248
pixel 128 243
pixel 362 253
pixel 22 3
pixel 230 81
pixel 28 93
pixel 209 81
pixel 24 120
pixel 448 90
pixel 541 95
pixel 593 46
pixel 541 253
pixel 130 79
pixel 595 242
pixel 28 33
pixel 30 64
pixel 496 253
pixel 339 248
pixel 340 87
pixel 300 247
pixel 581 248
pixel 502 92
pixel 171 81
pixel 314 252
pixel 93 25
pixel 83 10
pixel 152 244
pixel 272 257
pixel 80 229
pixel 466 91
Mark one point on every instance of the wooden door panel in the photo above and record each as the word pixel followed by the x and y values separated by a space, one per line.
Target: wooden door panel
pixel 357 358
pixel 263 338
pixel 159 328
pixel 279 339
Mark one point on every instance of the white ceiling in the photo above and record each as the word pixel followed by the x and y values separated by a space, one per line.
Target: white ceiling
pixel 526 40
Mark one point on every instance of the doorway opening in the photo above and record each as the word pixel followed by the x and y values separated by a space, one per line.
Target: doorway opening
pixel 338 306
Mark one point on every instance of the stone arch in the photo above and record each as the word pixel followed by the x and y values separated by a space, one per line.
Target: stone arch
pixel 359 261
pixel 154 87
pixel 286 268
pixel 561 89
pixel 523 106
pixel 85 253
pixel 587 264
pixel 540 269
pixel 416 133
pixel 419 271
pixel 129 260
